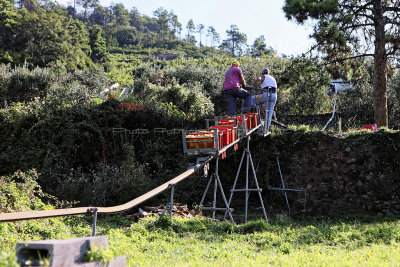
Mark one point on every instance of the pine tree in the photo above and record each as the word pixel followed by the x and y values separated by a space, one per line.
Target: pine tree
pixel 351 29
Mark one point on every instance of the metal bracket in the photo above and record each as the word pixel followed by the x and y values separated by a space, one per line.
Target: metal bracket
pixel 94 210
pixel 284 189
pixel 201 171
pixel 170 205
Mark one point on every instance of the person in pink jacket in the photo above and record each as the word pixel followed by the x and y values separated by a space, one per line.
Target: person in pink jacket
pixel 232 87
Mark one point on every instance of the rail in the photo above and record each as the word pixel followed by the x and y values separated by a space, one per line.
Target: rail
pixel 29 215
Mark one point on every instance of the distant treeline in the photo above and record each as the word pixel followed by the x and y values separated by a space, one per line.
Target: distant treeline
pixel 45 33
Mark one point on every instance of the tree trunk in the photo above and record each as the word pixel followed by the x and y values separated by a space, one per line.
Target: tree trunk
pixel 73 14
pixel 380 94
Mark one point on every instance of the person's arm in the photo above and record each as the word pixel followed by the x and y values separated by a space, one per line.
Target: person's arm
pixel 243 82
pixel 260 79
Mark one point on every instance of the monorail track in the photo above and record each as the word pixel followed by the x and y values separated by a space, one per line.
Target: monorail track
pixel 29 215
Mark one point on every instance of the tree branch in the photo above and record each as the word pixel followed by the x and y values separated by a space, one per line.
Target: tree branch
pixel 355 10
pixel 298 59
pixel 392 8
pixel 388 22
pixel 390 53
pixel 347 58
pixel 366 16
pixel 357 25
pixel 358 8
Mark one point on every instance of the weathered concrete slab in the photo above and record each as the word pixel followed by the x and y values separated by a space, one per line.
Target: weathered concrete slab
pixel 69 252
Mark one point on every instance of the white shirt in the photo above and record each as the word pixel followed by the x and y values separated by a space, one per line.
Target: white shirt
pixel 269 81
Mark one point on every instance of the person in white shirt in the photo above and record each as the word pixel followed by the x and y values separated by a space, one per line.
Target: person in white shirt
pixel 268 97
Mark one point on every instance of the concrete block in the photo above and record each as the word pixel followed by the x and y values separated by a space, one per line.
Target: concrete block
pixel 60 253
pixel 119 261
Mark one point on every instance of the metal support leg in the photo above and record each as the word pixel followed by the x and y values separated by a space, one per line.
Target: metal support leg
pixel 94 221
pixel 284 189
pixel 215 199
pixel 252 181
pixel 333 112
pixel 258 188
pixel 236 178
pixel 205 191
pixel 247 179
pixel 217 183
pixel 223 196
pixel 283 183
pixel 171 203
pixel 247 190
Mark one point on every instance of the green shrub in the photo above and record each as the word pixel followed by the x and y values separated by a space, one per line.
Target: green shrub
pixel 96 254
pixel 20 84
pixel 8 260
pixel 306 90
pixel 37 137
pixel 4 81
pixel 105 184
pixel 357 105
pixel 394 101
pixel 21 192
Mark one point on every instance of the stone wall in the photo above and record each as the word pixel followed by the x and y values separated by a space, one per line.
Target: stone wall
pixel 338 174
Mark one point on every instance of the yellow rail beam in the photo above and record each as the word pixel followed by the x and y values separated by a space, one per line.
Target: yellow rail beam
pixel 29 215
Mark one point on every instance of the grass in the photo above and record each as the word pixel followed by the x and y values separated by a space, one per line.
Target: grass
pixel 345 241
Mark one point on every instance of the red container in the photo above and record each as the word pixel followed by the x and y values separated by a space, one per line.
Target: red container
pixel 227 136
pixel 251 120
pixel 206 138
pixel 220 141
pixel 372 127
pixel 255 119
pixel 226 122
pixel 129 106
pixel 231 120
pixel 234 134
pixel 239 118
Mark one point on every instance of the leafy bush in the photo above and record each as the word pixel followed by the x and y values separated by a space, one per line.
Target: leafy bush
pixel 21 192
pixel 8 259
pixel 21 84
pixel 153 85
pixel 105 184
pixel 357 105
pixel 4 81
pixel 394 101
pixel 78 154
pixel 38 134
pixel 306 90
pixel 97 254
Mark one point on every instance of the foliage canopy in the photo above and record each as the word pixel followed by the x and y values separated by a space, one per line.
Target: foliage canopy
pixel 349 29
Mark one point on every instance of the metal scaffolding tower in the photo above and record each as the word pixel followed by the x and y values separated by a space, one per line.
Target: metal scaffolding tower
pixel 217 183
pixel 247 190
